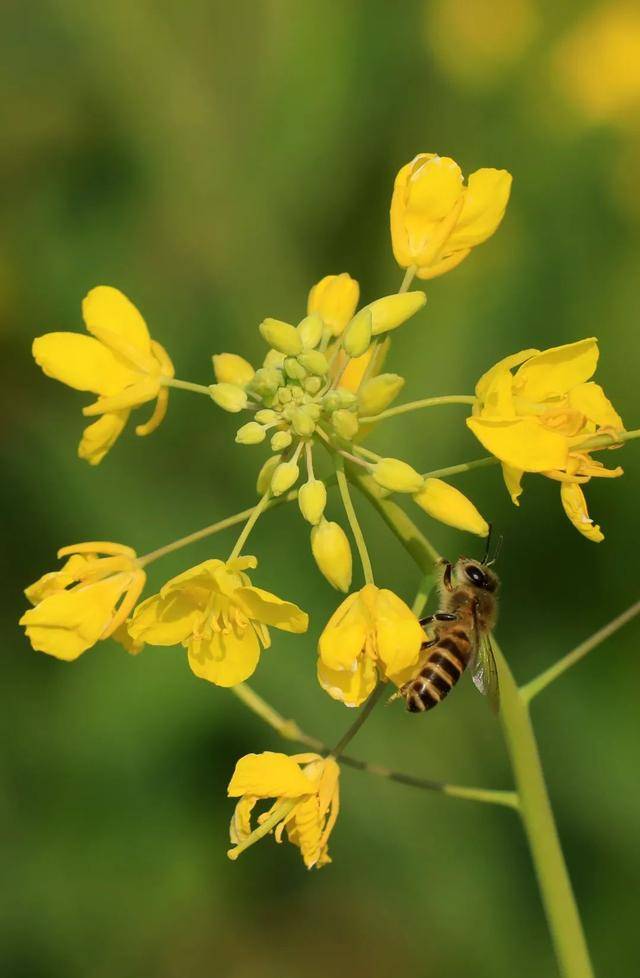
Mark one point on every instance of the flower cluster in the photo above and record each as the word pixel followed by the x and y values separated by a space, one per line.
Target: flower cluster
pixel 321 387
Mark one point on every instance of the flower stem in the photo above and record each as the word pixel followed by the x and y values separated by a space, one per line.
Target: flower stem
pixel 409 276
pixel 186 385
pixel 374 697
pixel 535 686
pixel 606 441
pixel 358 535
pixel 535 809
pixel 425 402
pixel 257 511
pixel 477 463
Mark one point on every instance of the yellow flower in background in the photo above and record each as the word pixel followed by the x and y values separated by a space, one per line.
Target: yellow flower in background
pixel 119 362
pixel 88 599
pixel 436 220
pixel 335 298
pixel 372 635
pixel 307 801
pixel 533 420
pixel 215 612
pixel 597 65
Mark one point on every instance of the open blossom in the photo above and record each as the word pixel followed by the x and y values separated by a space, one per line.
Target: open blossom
pixel 305 789
pixel 119 362
pixel 88 599
pixel 372 635
pixel 222 620
pixel 534 420
pixel 436 220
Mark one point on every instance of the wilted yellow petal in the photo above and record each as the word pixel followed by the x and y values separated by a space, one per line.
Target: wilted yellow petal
pixel 268 775
pixel 512 480
pixel 575 506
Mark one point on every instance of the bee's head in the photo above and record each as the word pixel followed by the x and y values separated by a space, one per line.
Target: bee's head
pixel 468 571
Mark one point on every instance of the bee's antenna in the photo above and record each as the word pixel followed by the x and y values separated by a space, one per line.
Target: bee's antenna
pixel 487 547
pixel 496 553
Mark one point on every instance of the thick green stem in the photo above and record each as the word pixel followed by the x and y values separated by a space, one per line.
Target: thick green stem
pixel 535 808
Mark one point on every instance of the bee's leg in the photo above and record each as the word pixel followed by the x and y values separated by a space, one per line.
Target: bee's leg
pixel 446 577
pixel 429 645
pixel 439 616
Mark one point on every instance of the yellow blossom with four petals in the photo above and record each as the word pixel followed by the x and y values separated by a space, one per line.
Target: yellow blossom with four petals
pixel 307 801
pixel 436 220
pixel 119 362
pixel 88 599
pixel 215 612
pixel 373 635
pixel 535 419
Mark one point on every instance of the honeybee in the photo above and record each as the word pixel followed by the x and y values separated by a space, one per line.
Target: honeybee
pixel 461 637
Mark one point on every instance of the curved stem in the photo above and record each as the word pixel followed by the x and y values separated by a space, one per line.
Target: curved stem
pixel 425 402
pixel 257 511
pixel 186 385
pixel 360 719
pixel 409 276
pixel 535 686
pixel 358 536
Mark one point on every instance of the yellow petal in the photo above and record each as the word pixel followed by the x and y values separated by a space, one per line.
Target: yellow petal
pixel 512 480
pixel 557 370
pixel 523 444
pixel 591 400
pixel 68 623
pixel 240 826
pixel 443 265
pixel 349 686
pixel 109 309
pixel 343 637
pixel 495 374
pixel 484 205
pixel 399 634
pixel 271 610
pixel 143 390
pixel 575 506
pixel 268 775
pixel 335 298
pixel 99 437
pixel 447 504
pixel 225 659
pixel 158 414
pixel 163 621
pixel 81 362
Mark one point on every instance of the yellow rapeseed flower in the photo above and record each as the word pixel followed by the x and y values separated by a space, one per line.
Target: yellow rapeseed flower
pixel 88 599
pixel 215 612
pixel 335 298
pixel 372 635
pixel 436 220
pixel 534 419
pixel 119 362
pixel 305 789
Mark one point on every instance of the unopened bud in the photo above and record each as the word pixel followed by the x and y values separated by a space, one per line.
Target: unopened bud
pixel 285 475
pixel 393 310
pixel 294 369
pixel 274 359
pixel 281 336
pixel 267 416
pixel 266 474
pixel 396 476
pixel 312 385
pixel 229 397
pixel 345 423
pixel 310 330
pixel 302 422
pixel 266 382
pixel 281 440
pixel 314 362
pixel 378 393
pixel 250 433
pixel 312 499
pixel 356 338
pixel 447 504
pixel 332 554
pixel 229 368
pixel 335 298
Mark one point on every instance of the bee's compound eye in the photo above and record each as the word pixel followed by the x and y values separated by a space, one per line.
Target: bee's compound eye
pixel 475 575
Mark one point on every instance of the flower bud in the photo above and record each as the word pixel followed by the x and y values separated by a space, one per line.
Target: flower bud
pixel 297 395
pixel 281 336
pixel 294 369
pixel 250 433
pixel 313 409
pixel 332 554
pixel 312 499
pixel 274 359
pixel 310 330
pixel 392 310
pixel 285 395
pixel 335 298
pixel 285 475
pixel 346 398
pixel 356 338
pixel 266 473
pixel 314 362
pixel 266 381
pixel 376 394
pixel 229 368
pixel 447 504
pixel 229 397
pixel 345 423
pixel 302 422
pixel 331 401
pixel 267 416
pixel 281 440
pixel 396 476
pixel 312 385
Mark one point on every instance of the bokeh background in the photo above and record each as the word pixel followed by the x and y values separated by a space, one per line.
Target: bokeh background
pixel 213 160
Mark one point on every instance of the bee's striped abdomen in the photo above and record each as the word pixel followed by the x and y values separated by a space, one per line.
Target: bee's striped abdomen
pixel 442 670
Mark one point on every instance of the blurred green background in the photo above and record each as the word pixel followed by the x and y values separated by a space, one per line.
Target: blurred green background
pixel 213 160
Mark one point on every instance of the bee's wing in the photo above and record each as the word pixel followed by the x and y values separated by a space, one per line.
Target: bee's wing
pixel 485 673
pixel 484 670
